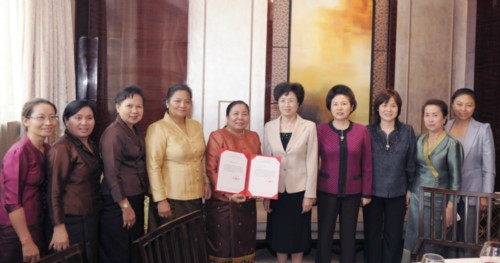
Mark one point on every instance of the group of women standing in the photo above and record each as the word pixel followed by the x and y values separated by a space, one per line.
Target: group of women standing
pixel 68 176
pixel 339 165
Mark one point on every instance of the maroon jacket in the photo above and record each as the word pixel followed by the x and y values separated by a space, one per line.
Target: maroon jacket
pixel 346 165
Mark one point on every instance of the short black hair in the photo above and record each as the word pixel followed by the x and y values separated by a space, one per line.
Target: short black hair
pixel 463 91
pixel 384 97
pixel 128 92
pixel 341 90
pixel 75 106
pixel 286 87
pixel 234 103
pixel 439 103
pixel 174 88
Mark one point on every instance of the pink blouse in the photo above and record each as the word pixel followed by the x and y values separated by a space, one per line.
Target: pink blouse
pixel 21 180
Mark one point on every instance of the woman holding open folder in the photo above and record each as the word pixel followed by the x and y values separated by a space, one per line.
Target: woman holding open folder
pixel 231 218
pixel 295 141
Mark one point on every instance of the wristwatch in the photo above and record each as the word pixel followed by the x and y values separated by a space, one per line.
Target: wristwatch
pixel 124 206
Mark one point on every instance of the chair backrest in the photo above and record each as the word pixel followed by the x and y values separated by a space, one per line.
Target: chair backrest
pixel 73 254
pixel 483 219
pixel 180 240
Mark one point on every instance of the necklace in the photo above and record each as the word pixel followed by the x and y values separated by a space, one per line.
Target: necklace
pixel 387 145
pixel 341 131
pixel 387 129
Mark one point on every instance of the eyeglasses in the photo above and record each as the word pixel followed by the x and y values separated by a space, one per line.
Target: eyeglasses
pixel 44 118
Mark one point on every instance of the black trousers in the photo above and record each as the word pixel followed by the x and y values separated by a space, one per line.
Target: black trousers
pixel 115 240
pixel 383 228
pixel 347 208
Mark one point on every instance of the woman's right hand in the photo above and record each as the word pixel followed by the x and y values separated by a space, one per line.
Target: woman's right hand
pixel 164 209
pixel 31 253
pixel 60 239
pixel 267 205
pixel 237 198
pixel 128 214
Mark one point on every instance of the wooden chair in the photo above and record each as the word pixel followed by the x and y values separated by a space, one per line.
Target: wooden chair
pixel 179 241
pixel 73 254
pixel 448 238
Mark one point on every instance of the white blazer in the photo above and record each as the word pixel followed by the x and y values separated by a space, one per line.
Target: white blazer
pixel 299 162
pixel 478 169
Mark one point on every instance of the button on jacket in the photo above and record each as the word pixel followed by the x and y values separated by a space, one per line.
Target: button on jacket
pixel 394 160
pixel 299 162
pixel 175 160
pixel 123 153
pixel 346 165
pixel 478 170
pixel 73 178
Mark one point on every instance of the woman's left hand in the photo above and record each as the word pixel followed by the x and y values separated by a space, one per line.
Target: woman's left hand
pixel 484 203
pixel 207 192
pixel 128 214
pixel 365 201
pixel 60 239
pixel 237 198
pixel 449 215
pixel 307 204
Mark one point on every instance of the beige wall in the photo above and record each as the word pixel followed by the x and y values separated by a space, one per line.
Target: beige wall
pixel 227 59
pixel 434 52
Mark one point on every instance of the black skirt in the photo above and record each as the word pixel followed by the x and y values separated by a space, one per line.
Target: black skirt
pixel 288 230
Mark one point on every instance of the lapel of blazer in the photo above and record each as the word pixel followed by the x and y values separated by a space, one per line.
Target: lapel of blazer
pixel 470 137
pixel 275 136
pixel 297 131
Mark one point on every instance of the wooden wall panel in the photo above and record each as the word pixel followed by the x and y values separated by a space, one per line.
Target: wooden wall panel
pixel 142 43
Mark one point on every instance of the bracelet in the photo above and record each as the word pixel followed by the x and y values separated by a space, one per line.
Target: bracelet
pixel 25 240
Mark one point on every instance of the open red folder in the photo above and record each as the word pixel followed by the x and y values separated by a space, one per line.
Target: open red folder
pixel 251 175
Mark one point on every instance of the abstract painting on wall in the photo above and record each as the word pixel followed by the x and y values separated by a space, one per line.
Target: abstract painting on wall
pixel 331 43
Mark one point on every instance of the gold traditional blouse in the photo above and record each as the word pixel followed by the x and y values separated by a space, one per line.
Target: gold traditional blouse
pixel 175 160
